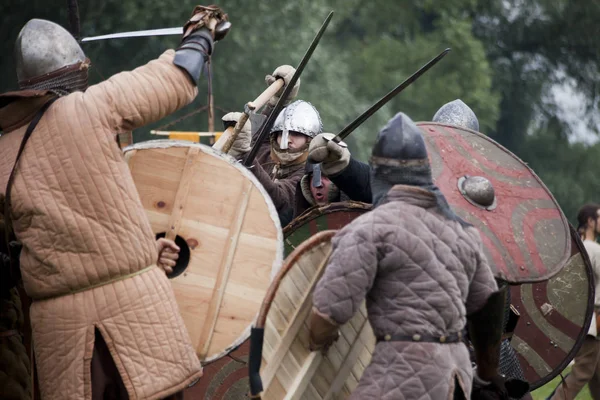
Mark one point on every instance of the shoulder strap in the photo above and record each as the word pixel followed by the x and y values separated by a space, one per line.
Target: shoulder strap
pixel 28 132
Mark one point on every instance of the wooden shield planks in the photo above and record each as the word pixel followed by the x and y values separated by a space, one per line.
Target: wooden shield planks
pixel 219 213
pixel 316 219
pixel 554 318
pixel 289 370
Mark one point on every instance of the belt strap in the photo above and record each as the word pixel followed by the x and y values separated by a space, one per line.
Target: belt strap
pixel 11 178
pixel 449 338
pixel 97 285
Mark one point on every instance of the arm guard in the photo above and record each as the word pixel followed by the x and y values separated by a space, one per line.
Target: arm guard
pixel 485 331
pixel 355 181
pixel 193 53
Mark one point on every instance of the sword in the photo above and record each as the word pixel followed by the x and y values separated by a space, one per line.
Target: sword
pixel 257 334
pixel 373 109
pixel 150 32
pixel 266 126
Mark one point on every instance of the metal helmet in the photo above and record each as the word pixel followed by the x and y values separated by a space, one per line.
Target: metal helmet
pixel 457 113
pixel 398 143
pixel 300 116
pixel 315 170
pixel 42 48
pixel 399 157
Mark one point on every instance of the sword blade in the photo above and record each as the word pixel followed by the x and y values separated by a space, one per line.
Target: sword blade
pixel 149 32
pixel 373 109
pixel 266 126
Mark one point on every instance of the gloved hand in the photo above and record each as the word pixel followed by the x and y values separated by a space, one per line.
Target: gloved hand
pixel 285 72
pixel 241 145
pixel 498 388
pixel 207 25
pixel 213 18
pixel 493 389
pixel 322 332
pixel 333 156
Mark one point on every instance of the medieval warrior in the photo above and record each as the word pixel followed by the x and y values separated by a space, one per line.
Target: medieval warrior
pixel 279 165
pixel 104 318
pixel 424 276
pixel 315 189
pixel 354 177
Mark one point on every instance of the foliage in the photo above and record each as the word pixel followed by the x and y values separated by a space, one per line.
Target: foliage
pixel 545 391
pixel 507 58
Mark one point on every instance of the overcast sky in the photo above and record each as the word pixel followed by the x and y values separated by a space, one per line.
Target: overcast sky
pixel 571 109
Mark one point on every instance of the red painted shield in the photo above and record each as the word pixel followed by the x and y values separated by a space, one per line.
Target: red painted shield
pixel 224 379
pixel 555 316
pixel 525 234
pixel 332 216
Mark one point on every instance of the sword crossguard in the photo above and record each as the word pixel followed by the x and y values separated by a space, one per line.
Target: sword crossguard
pixel 336 139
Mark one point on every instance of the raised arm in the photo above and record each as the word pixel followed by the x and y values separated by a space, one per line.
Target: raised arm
pixel 132 99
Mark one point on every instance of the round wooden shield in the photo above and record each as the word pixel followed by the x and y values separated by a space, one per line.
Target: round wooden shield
pixel 525 234
pixel 317 219
pixel 555 316
pixel 289 369
pixel 227 228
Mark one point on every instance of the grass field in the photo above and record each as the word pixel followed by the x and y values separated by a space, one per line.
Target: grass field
pixel 543 392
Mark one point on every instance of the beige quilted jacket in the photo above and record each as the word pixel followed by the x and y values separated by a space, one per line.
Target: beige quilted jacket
pixel 89 253
pixel 420 273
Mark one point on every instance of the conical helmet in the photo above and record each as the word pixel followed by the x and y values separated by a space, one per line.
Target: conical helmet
pixel 457 113
pixel 399 157
pixel 48 57
pixel 398 143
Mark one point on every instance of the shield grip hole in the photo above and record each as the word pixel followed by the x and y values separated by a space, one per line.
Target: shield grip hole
pixel 184 255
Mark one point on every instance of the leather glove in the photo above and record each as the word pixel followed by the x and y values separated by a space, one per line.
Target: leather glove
pixel 333 156
pixel 498 388
pixel 323 333
pixel 213 18
pixel 285 72
pixel 241 145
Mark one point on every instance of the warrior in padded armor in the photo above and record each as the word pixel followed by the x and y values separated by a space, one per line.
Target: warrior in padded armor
pixel 355 177
pixel 424 276
pixel 104 319
pixel 316 189
pixel 279 165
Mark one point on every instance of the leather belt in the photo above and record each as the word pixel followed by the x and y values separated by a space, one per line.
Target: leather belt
pixel 449 338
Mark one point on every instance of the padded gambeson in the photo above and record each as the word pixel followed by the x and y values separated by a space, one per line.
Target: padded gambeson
pixel 78 214
pixel 420 273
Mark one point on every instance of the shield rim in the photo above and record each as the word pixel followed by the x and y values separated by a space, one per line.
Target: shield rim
pixel 279 257
pixel 565 222
pixel 588 314
pixel 317 211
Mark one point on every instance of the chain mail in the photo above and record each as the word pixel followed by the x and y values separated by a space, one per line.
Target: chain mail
pixel 64 81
